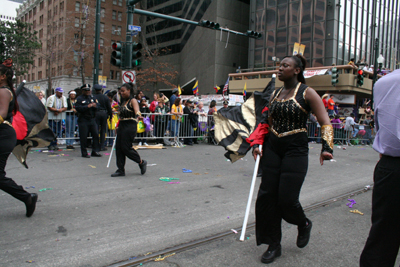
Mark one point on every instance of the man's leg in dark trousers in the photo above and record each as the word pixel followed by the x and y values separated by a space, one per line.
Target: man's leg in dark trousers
pixel 383 242
pixel 93 129
pixel 83 133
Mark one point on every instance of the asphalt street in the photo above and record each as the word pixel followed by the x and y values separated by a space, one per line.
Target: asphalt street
pixel 87 218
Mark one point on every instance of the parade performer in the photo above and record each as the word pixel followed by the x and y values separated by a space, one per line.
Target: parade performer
pixel 285 157
pixel 129 115
pixel 8 137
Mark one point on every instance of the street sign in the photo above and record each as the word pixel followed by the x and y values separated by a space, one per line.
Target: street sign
pixel 134 28
pixel 134 33
pixel 129 76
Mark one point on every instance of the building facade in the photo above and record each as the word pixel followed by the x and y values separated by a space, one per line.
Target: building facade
pixel 333 31
pixel 66 30
pixel 199 53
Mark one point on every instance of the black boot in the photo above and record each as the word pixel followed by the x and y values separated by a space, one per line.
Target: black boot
pixel 30 206
pixel 304 234
pixel 143 166
pixel 272 253
pixel 118 173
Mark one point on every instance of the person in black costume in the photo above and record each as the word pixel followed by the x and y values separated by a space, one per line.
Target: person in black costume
pixel 86 106
pixel 103 112
pixel 189 123
pixel 284 157
pixel 8 137
pixel 129 115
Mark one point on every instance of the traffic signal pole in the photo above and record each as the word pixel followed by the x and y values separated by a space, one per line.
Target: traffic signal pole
pixel 201 23
pixel 96 45
pixel 128 50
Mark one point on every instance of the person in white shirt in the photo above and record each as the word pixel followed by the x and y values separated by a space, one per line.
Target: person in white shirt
pixel 371 69
pixel 349 127
pixel 56 104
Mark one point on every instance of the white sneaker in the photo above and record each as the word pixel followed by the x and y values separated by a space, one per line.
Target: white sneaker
pixel 145 144
pixel 140 144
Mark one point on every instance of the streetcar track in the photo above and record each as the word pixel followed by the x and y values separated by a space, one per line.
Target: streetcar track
pixel 196 243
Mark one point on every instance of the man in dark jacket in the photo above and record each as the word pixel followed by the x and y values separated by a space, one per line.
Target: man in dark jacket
pixel 86 105
pixel 103 112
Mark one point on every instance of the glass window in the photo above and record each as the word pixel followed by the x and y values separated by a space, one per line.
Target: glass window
pixel 103 12
pixel 114 2
pixel 306 12
pixel 76 22
pixel 281 37
pixel 319 30
pixel 119 16
pixel 258 58
pixel 270 37
pixel 294 14
pixel 260 5
pixel 101 27
pixel 118 75
pixel 77 6
pixel 113 29
pixel 281 51
pixel 101 42
pixel 120 2
pixel 318 62
pixel 319 10
pixel 260 21
pixel 282 13
pixel 269 53
pixel 114 15
pixel 271 18
pixel 318 49
pixel 306 32
pixel 259 43
pixel 293 35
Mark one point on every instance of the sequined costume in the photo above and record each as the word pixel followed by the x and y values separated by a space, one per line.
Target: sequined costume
pixel 125 135
pixel 8 140
pixel 284 166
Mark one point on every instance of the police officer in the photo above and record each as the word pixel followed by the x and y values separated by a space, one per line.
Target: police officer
pixel 225 104
pixel 86 105
pixel 103 111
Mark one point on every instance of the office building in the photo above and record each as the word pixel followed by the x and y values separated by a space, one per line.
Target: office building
pixel 66 30
pixel 333 31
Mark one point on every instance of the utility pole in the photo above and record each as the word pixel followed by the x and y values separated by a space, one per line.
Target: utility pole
pixel 96 45
pixel 129 21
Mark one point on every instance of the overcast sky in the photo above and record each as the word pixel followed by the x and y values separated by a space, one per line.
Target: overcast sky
pixel 8 7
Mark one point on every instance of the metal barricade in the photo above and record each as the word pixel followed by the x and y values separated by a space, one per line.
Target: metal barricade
pixel 362 134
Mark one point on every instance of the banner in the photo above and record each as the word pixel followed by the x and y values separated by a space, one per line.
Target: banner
pixel 311 73
pixel 296 49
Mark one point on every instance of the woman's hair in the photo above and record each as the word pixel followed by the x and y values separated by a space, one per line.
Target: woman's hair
pixel 130 87
pixel 6 68
pixel 300 62
pixel 213 103
pixel 110 94
pixel 177 101
pixel 157 94
pixel 161 100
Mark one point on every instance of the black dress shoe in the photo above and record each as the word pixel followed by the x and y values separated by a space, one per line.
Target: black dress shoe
pixel 304 235
pixel 86 156
pixel 70 147
pixel 118 173
pixel 103 149
pixel 96 154
pixel 30 208
pixel 270 255
pixel 143 166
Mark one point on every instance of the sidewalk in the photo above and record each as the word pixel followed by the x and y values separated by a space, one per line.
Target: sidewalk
pixel 337 239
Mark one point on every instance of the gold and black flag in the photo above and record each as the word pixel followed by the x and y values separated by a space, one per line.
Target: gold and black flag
pixel 30 124
pixel 233 126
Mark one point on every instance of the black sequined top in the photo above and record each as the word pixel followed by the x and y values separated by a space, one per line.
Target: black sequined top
pixel 289 116
pixel 126 112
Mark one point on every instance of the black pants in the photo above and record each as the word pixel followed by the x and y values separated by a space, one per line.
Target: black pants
pixel 284 167
pixel 383 242
pixel 8 140
pixel 123 147
pixel 88 126
pixel 101 121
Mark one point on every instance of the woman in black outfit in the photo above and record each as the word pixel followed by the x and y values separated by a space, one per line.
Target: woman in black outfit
pixel 8 137
pixel 129 115
pixel 284 158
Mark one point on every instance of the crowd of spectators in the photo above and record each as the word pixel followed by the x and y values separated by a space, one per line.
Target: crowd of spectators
pixel 171 120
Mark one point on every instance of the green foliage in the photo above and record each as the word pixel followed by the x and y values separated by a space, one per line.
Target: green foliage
pixel 19 42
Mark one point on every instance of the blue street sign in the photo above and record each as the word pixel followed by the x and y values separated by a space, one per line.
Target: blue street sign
pixel 134 28
pixel 134 33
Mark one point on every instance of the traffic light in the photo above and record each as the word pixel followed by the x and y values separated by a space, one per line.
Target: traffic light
pixel 138 63
pixel 253 34
pixel 335 76
pixel 117 56
pixel 132 2
pixel 209 24
pixel 360 77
